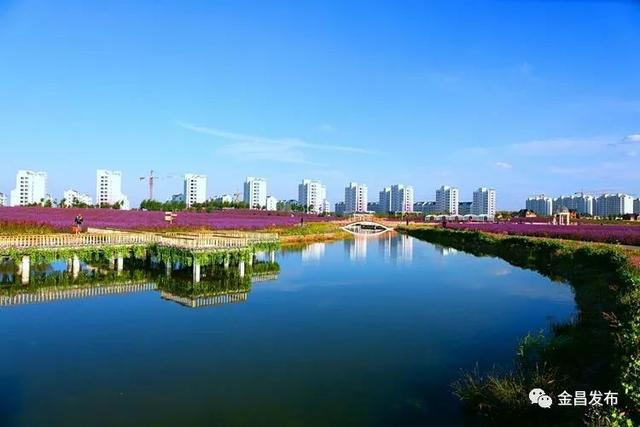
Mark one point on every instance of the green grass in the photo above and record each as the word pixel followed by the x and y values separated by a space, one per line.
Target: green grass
pixel 598 350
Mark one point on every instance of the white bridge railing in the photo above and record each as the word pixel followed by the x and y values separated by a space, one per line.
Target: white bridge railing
pixel 182 240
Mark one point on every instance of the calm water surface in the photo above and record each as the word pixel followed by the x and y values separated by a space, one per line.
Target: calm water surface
pixel 364 333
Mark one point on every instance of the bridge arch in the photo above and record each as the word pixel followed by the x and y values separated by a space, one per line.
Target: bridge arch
pixel 369 228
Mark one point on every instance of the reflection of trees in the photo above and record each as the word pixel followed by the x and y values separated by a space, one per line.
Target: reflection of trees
pixel 215 280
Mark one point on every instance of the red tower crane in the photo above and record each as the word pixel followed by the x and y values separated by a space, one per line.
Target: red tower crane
pixel 150 180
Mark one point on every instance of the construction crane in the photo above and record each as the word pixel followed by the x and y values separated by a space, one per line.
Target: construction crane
pixel 151 179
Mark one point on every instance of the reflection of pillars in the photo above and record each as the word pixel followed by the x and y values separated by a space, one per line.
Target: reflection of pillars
pixel 112 262
pixel 120 264
pixel 75 266
pixel 272 256
pixel 25 266
pixel 241 268
pixel 167 268
pixel 196 271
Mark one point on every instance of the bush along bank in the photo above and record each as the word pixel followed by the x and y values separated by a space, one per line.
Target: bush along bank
pixel 599 350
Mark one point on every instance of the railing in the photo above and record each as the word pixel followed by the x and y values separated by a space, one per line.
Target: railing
pixel 231 240
pixel 73 240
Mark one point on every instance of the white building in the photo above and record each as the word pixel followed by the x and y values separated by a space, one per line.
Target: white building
pixel 636 206
pixel 384 200
pixel 355 198
pixel 109 189
pixel 3 199
pixel 225 198
pixel 484 202
pixel 541 205
pixel 614 205
pixel 401 198
pixel 31 187
pixel 326 206
pixel 272 203
pixel 582 204
pixel 73 197
pixel 255 192
pixel 312 195
pixel 195 189
pixel 447 199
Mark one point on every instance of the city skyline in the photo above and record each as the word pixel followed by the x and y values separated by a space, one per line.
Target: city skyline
pixel 425 86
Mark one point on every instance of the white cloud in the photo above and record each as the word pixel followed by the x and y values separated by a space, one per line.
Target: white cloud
pixel 633 138
pixel 288 150
pixel 504 165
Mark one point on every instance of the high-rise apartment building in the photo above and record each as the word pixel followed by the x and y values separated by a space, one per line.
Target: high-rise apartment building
pixel 312 195
pixel 109 189
pixel 3 199
pixel 355 198
pixel 255 192
pixel 447 199
pixel 195 189
pixel 384 200
pixel 401 198
pixel 541 205
pixel 484 202
pixel 581 203
pixel 613 205
pixel 31 187
pixel 636 206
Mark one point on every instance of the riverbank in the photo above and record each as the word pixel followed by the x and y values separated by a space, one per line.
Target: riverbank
pixel 310 233
pixel 599 350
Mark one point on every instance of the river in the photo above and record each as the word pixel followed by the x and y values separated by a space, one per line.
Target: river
pixel 362 332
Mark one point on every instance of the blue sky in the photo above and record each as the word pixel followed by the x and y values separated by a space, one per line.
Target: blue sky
pixel 524 96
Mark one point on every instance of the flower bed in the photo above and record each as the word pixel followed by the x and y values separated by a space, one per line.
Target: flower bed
pixel 62 219
pixel 621 234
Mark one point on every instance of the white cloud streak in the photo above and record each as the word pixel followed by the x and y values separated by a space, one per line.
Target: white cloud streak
pixel 288 150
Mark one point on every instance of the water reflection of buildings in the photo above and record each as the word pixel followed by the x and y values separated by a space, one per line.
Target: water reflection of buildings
pixel 313 252
pixel 357 247
pixel 396 247
pixel 446 251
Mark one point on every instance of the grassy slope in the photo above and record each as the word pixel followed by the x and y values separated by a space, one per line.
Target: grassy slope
pixel 599 350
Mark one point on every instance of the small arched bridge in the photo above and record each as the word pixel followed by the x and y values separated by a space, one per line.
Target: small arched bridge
pixel 368 227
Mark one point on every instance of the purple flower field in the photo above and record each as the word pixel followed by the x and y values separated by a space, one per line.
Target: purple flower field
pixel 62 219
pixel 622 234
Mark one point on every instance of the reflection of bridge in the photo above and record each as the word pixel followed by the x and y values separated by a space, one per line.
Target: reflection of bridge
pixel 206 300
pixel 56 294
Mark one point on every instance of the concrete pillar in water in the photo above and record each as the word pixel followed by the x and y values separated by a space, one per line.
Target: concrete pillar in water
pixel 250 260
pixel 167 267
pixel 272 256
pixel 241 268
pixel 196 271
pixel 120 264
pixel 75 266
pixel 25 267
pixel 226 262
pixel 112 262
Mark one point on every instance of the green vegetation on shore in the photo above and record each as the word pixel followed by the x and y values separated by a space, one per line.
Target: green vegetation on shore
pixel 598 350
